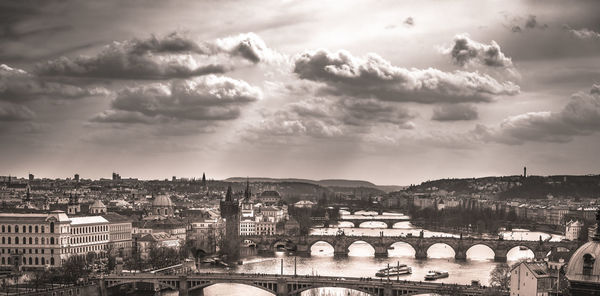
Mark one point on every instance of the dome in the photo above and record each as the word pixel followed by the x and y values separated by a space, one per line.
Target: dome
pixel 588 256
pixel 162 201
pixel 97 204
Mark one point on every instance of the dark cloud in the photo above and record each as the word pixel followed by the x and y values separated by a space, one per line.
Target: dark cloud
pixel 329 117
pixel 467 51
pixel 581 116
pixel 375 77
pixel 14 112
pixel 175 55
pixel 18 86
pixel 454 112
pixel 209 98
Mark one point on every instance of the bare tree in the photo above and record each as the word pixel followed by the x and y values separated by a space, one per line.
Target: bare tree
pixel 500 276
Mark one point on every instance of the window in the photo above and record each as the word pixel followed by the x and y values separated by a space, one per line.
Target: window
pixel 16 228
pixel 30 241
pixel 9 240
pixel 24 229
pixel 36 229
pixel 30 229
pixel 43 229
pixel 51 240
pixel 51 227
pixel 2 228
pixel 588 264
pixel 3 240
pixel 16 240
pixel 8 228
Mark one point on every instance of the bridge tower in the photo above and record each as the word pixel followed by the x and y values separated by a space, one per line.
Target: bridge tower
pixel 230 211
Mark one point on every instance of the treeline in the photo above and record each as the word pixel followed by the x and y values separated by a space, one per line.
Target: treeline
pixel 464 219
pixel 304 216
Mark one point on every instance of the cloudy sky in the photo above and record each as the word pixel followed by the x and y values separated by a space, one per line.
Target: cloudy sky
pixel 394 92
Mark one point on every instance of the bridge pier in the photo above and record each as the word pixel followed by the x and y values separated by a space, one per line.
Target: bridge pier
pixel 460 255
pixel 380 251
pixel 421 253
pixel 390 225
pixel 540 254
pixel 303 250
pixel 102 287
pixel 183 286
pixel 282 287
pixel 500 255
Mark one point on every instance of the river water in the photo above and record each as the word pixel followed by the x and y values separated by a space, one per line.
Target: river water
pixel 361 262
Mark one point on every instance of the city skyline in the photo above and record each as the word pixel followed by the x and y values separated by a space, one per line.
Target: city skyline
pixel 386 92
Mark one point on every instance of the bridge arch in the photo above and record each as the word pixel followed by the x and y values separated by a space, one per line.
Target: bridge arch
pixel 439 244
pixel 283 243
pixel 312 244
pixel 381 224
pixel 303 288
pixel 519 251
pixel 354 241
pixel 391 247
pixel 162 284
pixel 469 250
pixel 199 286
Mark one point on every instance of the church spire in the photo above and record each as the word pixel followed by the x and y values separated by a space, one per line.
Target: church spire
pixel 247 193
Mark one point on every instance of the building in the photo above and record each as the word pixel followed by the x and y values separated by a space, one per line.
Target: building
pixel 162 206
pixel 73 207
pixel 583 269
pixel 269 198
pixel 265 226
pixel 39 240
pixel 88 234
pixel 76 177
pixel 120 242
pixel 97 208
pixel 573 230
pixel 292 227
pixel 156 240
pixel 230 211
pixel 205 233
pixel 532 278
pixel 247 226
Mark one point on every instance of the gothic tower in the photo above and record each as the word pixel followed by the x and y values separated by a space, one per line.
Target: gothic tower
pixel 230 210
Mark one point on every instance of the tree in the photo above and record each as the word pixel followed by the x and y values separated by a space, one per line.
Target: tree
pixel 500 276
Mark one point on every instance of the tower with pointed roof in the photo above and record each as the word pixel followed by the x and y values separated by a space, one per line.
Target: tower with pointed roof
pixel 230 211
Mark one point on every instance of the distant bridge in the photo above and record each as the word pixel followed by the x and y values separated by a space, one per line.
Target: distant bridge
pixel 381 244
pixel 283 285
pixel 389 220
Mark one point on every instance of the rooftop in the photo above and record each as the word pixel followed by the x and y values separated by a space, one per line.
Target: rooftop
pixel 87 220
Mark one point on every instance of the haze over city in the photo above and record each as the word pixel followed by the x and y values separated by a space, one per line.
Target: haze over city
pixel 385 91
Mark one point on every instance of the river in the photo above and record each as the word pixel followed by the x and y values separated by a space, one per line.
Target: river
pixel 362 263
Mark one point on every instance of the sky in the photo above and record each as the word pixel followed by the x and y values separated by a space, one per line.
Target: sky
pixel 393 92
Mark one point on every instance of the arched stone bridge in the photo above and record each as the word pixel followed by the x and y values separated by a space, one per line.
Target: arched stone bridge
pixel 389 221
pixel 340 243
pixel 283 285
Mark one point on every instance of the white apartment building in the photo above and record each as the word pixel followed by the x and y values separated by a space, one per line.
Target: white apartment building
pixel 38 240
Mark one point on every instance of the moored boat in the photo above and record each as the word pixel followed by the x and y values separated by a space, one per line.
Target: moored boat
pixel 434 275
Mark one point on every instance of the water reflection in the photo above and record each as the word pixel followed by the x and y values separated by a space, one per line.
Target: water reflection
pixel 361 249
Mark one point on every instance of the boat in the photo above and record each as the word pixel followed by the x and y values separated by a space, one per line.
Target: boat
pixel 394 271
pixel 523 248
pixel 434 275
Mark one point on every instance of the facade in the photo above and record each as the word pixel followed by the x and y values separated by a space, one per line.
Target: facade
pixel 532 278
pixel 265 227
pixel 247 226
pixel 120 242
pixel 39 240
pixel 573 230
pixel 156 240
